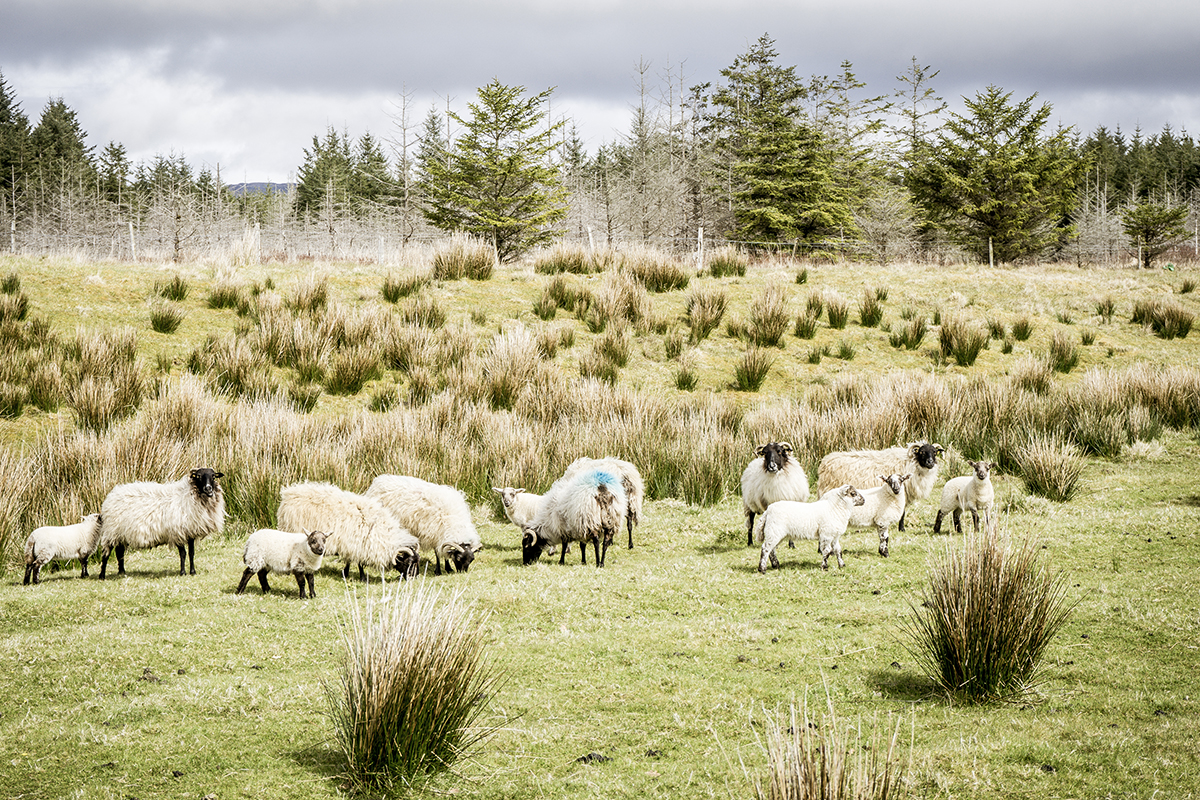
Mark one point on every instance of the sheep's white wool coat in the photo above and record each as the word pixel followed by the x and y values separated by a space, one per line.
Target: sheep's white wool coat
pixel 63 542
pixel 761 488
pixel 631 481
pixel 523 509
pixel 863 467
pixel 825 520
pixel 570 511
pixel 967 493
pixel 144 515
pixel 360 530
pixel 881 507
pixel 437 515
pixel 279 551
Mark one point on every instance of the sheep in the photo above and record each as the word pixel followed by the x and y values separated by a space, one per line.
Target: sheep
pixel 437 515
pixel 144 515
pixel 521 507
pixel 972 493
pixel 357 528
pixel 860 467
pixel 61 543
pixel 631 482
pixel 588 505
pixel 882 505
pixel 269 550
pixel 774 477
pixel 824 520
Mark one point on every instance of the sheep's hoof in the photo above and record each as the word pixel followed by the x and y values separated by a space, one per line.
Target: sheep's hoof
pixel 883 549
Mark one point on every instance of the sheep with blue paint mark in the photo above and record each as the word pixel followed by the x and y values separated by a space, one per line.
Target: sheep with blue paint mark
pixel 587 505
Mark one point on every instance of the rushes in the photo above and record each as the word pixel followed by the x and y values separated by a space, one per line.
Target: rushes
pixel 175 289
pixel 870 309
pixel 705 310
pixel 751 371
pixel 657 272
pixel 837 310
pixel 962 340
pixel 1064 353
pixel 1167 318
pixel 911 335
pixel 726 262
pixel 769 317
pixel 397 287
pixel 462 258
pixel 1050 466
pixel 166 317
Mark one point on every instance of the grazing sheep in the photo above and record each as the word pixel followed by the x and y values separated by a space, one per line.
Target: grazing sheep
pixel 861 467
pixel 773 477
pixel 631 482
pixel 824 520
pixel 882 505
pixel 281 551
pixel 357 528
pixel 588 505
pixel 437 515
pixel 972 493
pixel 61 543
pixel 144 515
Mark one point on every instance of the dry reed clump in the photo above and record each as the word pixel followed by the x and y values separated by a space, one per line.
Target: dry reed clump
pixel 1063 354
pixel 510 364
pixel 1050 465
pixel 1165 316
pixel 870 308
pixel 351 369
pixel 725 262
pixel 412 685
pixel 464 257
pixel 14 307
pixel 806 326
pixel 1022 328
pixel 836 310
pixel 226 293
pixel 1031 374
pixel 911 335
pixel 686 378
pixel 309 295
pixel 572 258
pixel 983 623
pixel 10 283
pixel 655 270
pixel 751 371
pixel 769 317
pixel 1105 308
pixel 232 366
pixel 175 289
pixel 619 298
pixel 166 317
pixel 423 309
pixel 705 308
pixel 397 286
pixel 962 340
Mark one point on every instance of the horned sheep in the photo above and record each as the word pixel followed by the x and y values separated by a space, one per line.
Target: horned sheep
pixel 825 520
pixel 882 506
pixel 631 482
pixel 862 468
pixel 772 476
pixel 61 543
pixel 437 515
pixel 270 550
pixel 587 505
pixel 143 515
pixel 973 493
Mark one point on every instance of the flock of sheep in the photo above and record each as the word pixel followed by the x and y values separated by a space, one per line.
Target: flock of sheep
pixel 399 518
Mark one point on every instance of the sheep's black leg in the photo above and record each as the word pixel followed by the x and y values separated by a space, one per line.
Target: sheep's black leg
pixel 583 551
pixel 601 554
pixel 191 556
pixel 362 573
pixel 83 562
pixel 245 579
pixel 312 584
pixel 262 580
pixel 437 563
pixel 182 556
pixel 629 524
pixel 121 559
pixel 346 571
pixel 104 561
pixel 975 519
pixel 562 554
pixel 937 524
pixel 300 582
pixel 957 521
pixel 900 524
pixel 28 572
pixel 749 529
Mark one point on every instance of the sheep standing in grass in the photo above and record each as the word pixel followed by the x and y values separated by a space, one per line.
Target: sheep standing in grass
pixel 862 468
pixel 521 507
pixel 973 493
pixel 882 505
pixel 631 482
pixel 588 505
pixel 358 529
pixel 824 520
pixel 61 543
pixel 772 476
pixel 281 551
pixel 437 515
pixel 144 515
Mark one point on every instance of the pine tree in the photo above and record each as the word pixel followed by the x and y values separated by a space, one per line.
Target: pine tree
pixel 116 173
pixel 1153 229
pixel 61 163
pixel 14 145
pixel 324 180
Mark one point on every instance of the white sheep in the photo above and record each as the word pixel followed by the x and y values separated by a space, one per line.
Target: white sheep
pixel 61 543
pixel 772 476
pixel 358 529
pixel 631 482
pixel 588 505
pixel 862 468
pixel 437 515
pixel 882 506
pixel 270 550
pixel 520 506
pixel 144 515
pixel 824 520
pixel 973 493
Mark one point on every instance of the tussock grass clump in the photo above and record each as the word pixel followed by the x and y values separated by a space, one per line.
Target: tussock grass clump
pixel 1105 308
pixel 802 276
pixel 1170 320
pixel 593 364
pixel 984 621
pixel 463 257
pixel 726 262
pixel 166 317
pixel 47 387
pixel 996 329
pixel 837 310
pixel 551 339
pixel 566 293
pixel 705 308
pixel 686 379
pixel 846 351
pixel 226 294
pixel 412 685
pixel 13 399
pixel 673 344
pixel 769 317
pixel 1187 286
pixel 1065 316
pixel 1064 352
pixel 545 307
pixel 1022 328
pixel 1087 337
pixel 806 326
pixel 384 397
pixel 1050 466
pixel 10 283
pixel 881 293
pixel 870 309
pixel 911 335
pixel 232 366
pixel 423 310
pixel 175 289
pixel 303 397
pixel 1032 374
pixel 13 307
pixel 564 257
pixel 656 271
pixel 962 340
pixel 350 369
pixel 814 305
pixel 310 294
pixel 752 369
pixel 815 354
pixel 396 287
pixel 616 345
pixel 511 363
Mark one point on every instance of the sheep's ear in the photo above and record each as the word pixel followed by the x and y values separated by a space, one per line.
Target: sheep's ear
pixel 497 491
pixel 518 491
pixel 218 474
pixel 905 477
pixel 940 449
pixel 758 451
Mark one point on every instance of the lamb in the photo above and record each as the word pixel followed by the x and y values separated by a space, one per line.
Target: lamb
pixel 61 543
pixel 631 482
pixel 437 515
pixel 882 505
pixel 861 468
pixel 144 515
pixel 824 520
pixel 588 505
pixel 281 551
pixel 775 477
pixel 357 528
pixel 972 493
pixel 520 506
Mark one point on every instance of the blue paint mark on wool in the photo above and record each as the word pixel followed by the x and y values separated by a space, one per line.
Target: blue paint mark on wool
pixel 602 477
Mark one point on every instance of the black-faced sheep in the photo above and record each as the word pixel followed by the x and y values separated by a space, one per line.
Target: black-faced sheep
pixel 631 482
pixel 282 551
pixel 61 543
pixel 358 529
pixel 437 515
pixel 144 515
pixel 973 493
pixel 824 520
pixel 862 468
pixel 588 505
pixel 882 506
pixel 772 476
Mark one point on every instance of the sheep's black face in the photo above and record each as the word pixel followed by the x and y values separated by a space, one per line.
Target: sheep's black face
pixel 774 455
pixel 204 481
pixel 406 563
pixel 316 543
pixel 927 454
pixel 532 546
pixel 461 558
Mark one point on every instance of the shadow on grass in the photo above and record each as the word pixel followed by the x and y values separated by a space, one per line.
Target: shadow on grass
pixel 899 684
pixel 322 759
pixel 1190 500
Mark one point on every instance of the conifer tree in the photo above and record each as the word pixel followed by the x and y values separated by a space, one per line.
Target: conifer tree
pixel 323 182
pixel 1154 228
pixel 14 144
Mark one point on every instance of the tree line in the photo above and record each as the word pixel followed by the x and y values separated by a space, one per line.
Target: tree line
pixel 761 157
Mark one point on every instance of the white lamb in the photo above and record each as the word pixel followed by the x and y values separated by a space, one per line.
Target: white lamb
pixel 773 477
pixel 862 468
pixel 631 482
pixel 824 520
pixel 520 506
pixel 358 528
pixel 61 543
pixel 973 493
pixel 269 550
pixel 588 505
pixel 882 506
pixel 438 515
pixel 144 515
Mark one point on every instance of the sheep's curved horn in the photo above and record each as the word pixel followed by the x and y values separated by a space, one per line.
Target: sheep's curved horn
pixel 787 446
pixel 758 451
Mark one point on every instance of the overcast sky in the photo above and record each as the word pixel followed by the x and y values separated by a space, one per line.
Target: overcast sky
pixel 246 84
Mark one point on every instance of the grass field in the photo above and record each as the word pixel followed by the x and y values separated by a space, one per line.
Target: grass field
pixel 667 662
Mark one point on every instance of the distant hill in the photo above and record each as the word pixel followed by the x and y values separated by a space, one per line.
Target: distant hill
pixel 252 187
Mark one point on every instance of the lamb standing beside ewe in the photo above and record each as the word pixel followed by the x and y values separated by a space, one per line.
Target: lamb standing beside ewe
pixel 973 493
pixel 280 551
pixel 862 468
pixel 882 505
pixel 437 515
pixel 588 505
pixel 61 543
pixel 824 520
pixel 773 477
pixel 144 515
pixel 520 506
pixel 631 482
